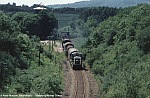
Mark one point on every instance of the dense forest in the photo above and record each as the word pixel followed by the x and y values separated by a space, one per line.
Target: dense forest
pixel 26 67
pixel 118 50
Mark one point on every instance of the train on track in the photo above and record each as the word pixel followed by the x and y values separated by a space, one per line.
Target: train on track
pixel 74 56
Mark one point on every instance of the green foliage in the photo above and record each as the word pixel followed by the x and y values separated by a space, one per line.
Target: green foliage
pixel 19 59
pixel 144 40
pixel 99 13
pixel 6 24
pixel 118 51
pixel 13 8
pixel 44 79
pixel 93 16
pixel 67 10
pixel 72 24
pixel 40 24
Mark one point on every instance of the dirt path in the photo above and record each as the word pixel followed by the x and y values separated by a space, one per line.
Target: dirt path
pixel 91 86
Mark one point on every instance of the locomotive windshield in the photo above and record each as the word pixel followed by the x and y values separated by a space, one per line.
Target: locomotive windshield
pixel 77 60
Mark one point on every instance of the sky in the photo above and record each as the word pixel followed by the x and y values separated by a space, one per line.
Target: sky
pixel 44 2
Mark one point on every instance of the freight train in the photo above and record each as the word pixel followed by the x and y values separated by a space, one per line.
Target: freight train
pixel 74 55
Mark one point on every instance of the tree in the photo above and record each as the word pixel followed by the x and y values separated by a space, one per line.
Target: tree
pixel 41 24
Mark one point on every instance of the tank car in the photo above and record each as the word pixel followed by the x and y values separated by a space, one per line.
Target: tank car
pixel 66 46
pixel 65 41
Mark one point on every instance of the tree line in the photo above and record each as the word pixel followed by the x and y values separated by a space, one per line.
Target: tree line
pixel 12 8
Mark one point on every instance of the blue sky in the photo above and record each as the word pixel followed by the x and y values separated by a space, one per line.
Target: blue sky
pixel 45 2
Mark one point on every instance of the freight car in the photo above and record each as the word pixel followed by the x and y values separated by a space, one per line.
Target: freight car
pixel 67 46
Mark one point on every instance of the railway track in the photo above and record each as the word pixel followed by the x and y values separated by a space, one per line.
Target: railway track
pixel 80 84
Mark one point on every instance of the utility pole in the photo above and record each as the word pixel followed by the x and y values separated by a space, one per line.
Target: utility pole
pixel 1 76
pixel 54 34
pixel 39 48
pixel 49 42
pixel 39 56
pixel 55 57
pixel 52 42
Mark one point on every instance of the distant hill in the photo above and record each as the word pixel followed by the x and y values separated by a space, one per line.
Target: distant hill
pixel 95 3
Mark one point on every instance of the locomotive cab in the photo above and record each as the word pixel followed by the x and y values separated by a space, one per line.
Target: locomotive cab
pixel 76 60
